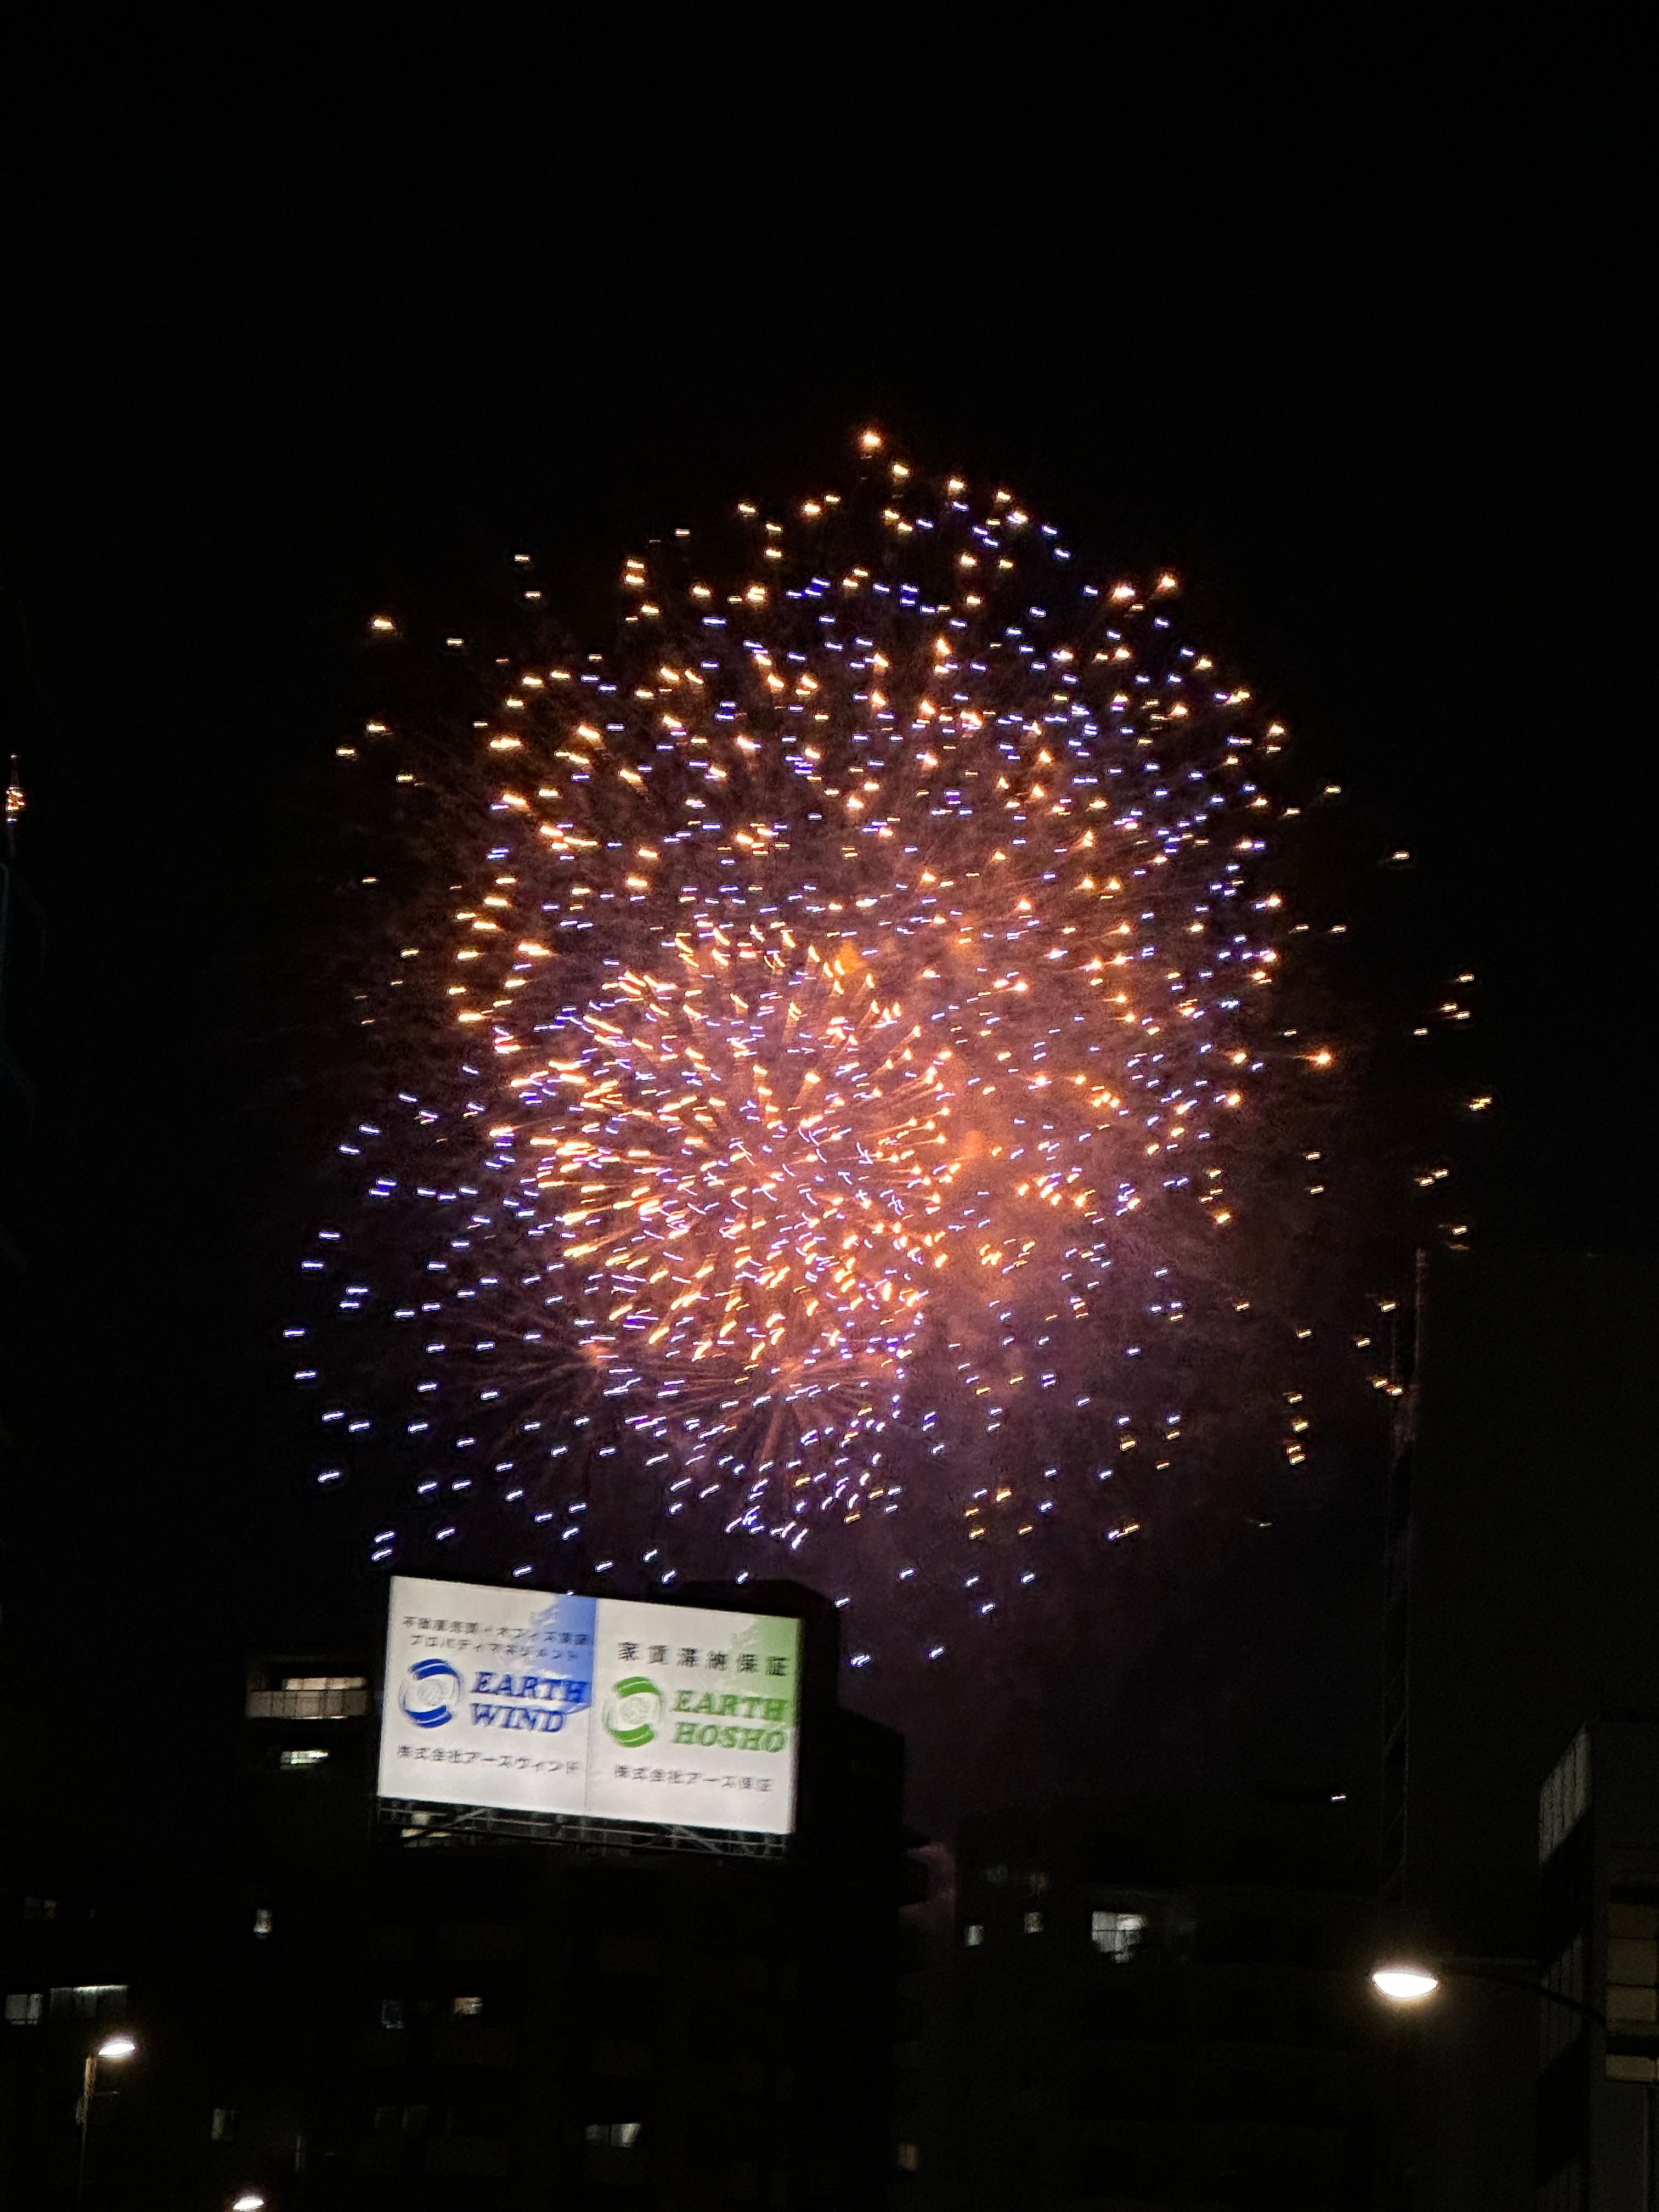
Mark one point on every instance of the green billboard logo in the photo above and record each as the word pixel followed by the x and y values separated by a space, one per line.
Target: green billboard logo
pixel 633 1711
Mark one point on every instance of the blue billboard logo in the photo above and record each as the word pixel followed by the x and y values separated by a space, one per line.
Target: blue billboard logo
pixel 432 1693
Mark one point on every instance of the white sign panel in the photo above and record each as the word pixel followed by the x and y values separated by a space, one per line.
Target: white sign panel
pixel 698 1716
pixel 611 1707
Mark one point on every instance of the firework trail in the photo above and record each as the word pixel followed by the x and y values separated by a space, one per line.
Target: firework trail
pixel 845 1100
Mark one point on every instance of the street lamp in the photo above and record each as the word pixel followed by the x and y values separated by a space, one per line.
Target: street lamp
pixel 1409 1981
pixel 250 2200
pixel 111 2052
pixel 1404 1984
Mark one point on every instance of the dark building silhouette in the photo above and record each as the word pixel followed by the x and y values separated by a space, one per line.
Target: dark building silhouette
pixel 1159 2011
pixel 1598 2079
pixel 478 2010
pixel 921 2028
pixel 22 949
pixel 64 1968
pixel 1524 1522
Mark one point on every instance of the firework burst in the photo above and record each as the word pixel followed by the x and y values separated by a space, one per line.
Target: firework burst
pixel 853 1083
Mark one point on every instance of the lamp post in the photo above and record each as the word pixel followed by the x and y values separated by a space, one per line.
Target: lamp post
pixel 1411 1982
pixel 114 2051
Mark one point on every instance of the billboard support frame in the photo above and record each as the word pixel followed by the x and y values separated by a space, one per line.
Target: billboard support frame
pixel 422 1825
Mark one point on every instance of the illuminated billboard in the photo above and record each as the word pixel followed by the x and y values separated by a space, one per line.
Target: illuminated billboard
pixel 608 1707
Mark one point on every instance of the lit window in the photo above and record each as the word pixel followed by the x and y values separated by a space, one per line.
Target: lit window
pixel 910 2158
pixel 466 2008
pixel 973 1934
pixel 40 1908
pixel 1117 1934
pixel 24 2008
pixel 303 1757
pixel 1034 1924
pixel 392 2011
pixel 224 2125
pixel 615 2135
pixel 311 1698
pixel 263 1922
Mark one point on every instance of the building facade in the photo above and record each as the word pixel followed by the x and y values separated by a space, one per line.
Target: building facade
pixel 1523 1520
pixel 1154 2011
pixel 1598 1921
pixel 366 2005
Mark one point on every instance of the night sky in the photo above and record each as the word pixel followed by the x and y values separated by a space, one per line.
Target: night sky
pixel 293 343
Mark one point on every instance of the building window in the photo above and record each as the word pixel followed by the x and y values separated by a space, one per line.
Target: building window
pixel 615 2135
pixel 392 2011
pixel 910 2158
pixel 224 2125
pixel 302 1757
pixel 1117 1933
pixel 311 1698
pixel 40 1908
pixel 262 1920
pixel 1565 1798
pixel 1632 2002
pixel 974 1935
pixel 25 2008
pixel 623 2058
pixel 466 2008
pixel 89 2001
pixel 1034 1924
pixel 621 1953
pixel 1560 2026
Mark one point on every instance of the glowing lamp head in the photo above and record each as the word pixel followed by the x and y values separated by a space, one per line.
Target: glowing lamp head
pixel 249 2201
pixel 1404 1984
pixel 117 2047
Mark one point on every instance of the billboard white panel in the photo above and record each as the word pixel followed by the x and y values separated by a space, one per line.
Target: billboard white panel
pixel 611 1707
pixel 699 1715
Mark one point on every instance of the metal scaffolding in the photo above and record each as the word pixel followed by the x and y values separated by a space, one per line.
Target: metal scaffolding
pixel 438 1828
